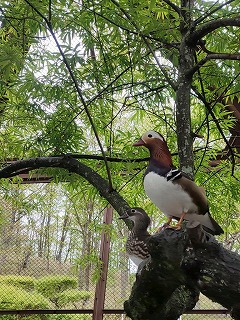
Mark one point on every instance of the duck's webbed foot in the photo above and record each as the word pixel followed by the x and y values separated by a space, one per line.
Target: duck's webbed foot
pixel 165 225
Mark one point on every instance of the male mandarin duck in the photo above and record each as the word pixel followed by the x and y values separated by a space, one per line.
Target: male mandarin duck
pixel 170 190
pixel 136 247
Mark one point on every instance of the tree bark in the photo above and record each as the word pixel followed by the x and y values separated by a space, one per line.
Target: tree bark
pixel 183 115
pixel 183 93
pixel 184 263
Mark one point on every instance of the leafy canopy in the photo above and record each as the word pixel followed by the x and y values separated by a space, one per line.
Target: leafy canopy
pixel 89 78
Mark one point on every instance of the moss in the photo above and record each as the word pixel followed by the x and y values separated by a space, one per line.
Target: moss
pixel 207 279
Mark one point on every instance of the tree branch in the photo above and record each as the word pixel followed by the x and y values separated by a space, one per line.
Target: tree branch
pixel 173 6
pixel 150 37
pixel 193 37
pixel 183 263
pixel 169 80
pixel 79 91
pixel 96 157
pixel 214 56
pixel 209 108
pixel 72 166
pixel 209 13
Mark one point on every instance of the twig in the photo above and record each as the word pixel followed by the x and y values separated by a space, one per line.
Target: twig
pixel 79 91
pixel 172 83
pixel 208 14
pixel 211 112
pixel 173 6
pixel 150 37
pixel 213 56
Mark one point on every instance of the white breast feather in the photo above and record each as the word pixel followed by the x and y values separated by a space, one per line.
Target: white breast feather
pixel 136 260
pixel 172 200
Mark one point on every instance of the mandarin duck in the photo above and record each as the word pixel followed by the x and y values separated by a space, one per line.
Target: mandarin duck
pixel 171 190
pixel 136 247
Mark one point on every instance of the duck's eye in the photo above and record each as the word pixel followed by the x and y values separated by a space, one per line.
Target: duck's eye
pixel 149 135
pixel 133 210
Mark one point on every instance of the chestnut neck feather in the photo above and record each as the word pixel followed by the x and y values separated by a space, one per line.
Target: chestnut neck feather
pixel 160 153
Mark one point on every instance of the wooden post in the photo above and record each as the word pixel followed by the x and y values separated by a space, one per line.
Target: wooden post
pixel 104 254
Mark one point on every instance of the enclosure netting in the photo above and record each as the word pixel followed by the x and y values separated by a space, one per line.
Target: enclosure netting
pixel 49 255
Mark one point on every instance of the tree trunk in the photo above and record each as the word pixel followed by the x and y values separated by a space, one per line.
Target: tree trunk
pixel 184 263
pixel 183 94
pixel 48 239
pixel 41 236
pixel 25 260
pixel 84 271
pixel 183 115
pixel 64 232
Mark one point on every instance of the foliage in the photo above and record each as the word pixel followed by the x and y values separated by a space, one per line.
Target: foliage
pixel 43 105
pixel 71 317
pixel 60 290
pixel 13 298
pixel 39 293
pixel 73 295
pixel 31 317
pixel 26 283
pixel 49 286
pixel 76 77
pixel 49 317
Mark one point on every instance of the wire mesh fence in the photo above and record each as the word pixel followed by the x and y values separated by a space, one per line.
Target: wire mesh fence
pixel 49 258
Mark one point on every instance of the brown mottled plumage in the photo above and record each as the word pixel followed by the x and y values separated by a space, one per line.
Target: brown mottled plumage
pixel 136 247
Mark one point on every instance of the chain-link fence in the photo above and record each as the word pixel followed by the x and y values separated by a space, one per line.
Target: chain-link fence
pixel 49 258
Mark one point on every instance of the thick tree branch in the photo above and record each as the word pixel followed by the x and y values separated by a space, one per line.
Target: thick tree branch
pixel 183 263
pixel 216 270
pixel 98 157
pixel 193 37
pixel 73 166
pixel 109 159
pixel 161 290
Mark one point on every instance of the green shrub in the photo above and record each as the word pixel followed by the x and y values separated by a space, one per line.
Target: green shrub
pixel 49 317
pixel 24 282
pixel 51 286
pixel 14 298
pixel 71 317
pixel 72 295
pixel 30 317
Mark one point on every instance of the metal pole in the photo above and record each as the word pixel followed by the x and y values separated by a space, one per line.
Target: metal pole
pixel 104 254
